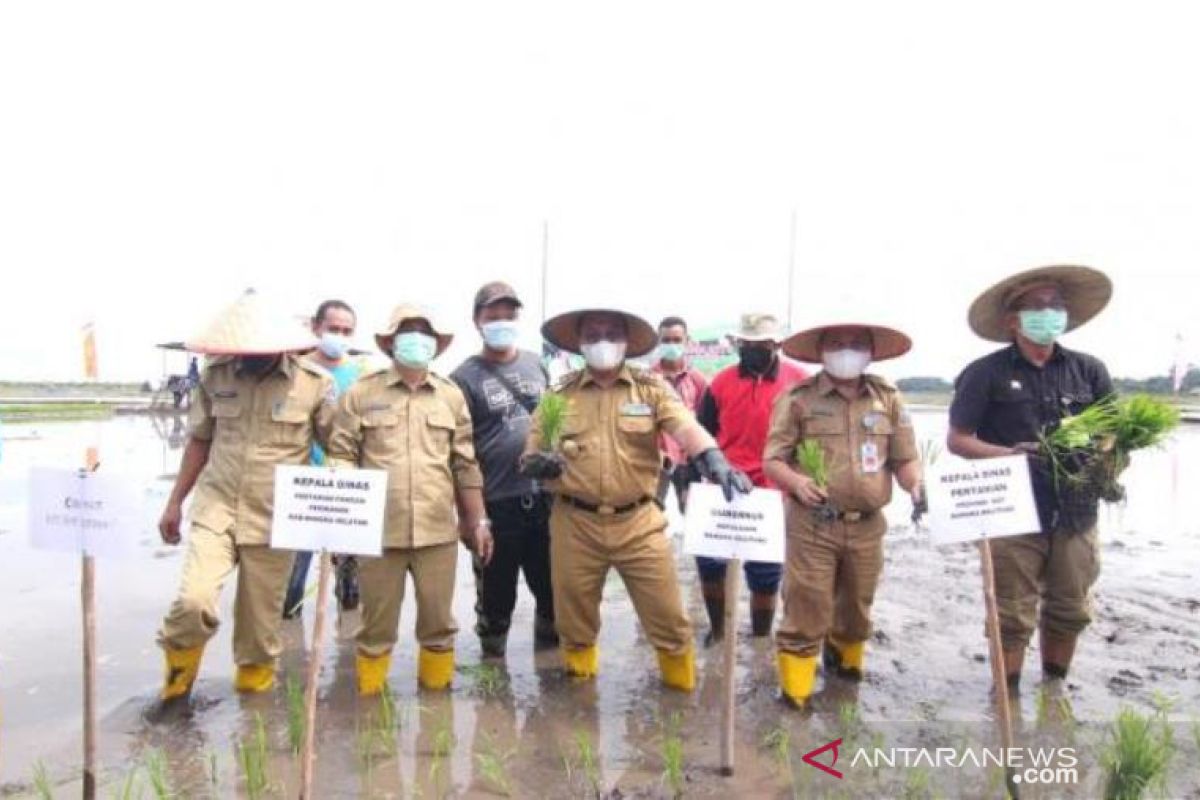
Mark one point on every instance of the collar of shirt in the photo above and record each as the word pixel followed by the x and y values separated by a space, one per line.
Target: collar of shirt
pixel 675 378
pixel 826 386
pixel 771 374
pixel 1017 357
pixel 623 375
pixel 394 378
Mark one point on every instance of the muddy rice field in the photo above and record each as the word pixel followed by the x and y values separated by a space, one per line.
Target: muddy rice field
pixel 524 729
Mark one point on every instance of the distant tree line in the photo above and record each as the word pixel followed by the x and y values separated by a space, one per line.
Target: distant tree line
pixel 1159 384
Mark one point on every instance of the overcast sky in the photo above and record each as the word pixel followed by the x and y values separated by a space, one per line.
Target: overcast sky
pixel 157 158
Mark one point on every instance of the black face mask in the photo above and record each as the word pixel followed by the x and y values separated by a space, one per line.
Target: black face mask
pixel 258 365
pixel 754 359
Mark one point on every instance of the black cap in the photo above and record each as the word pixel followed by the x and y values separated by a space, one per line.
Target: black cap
pixel 494 292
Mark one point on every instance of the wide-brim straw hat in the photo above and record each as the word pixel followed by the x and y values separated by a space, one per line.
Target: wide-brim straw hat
pixel 562 331
pixel 1086 292
pixel 407 311
pixel 251 326
pixel 886 342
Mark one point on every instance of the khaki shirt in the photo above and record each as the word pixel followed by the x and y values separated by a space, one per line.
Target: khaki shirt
pixel 848 430
pixel 610 435
pixel 422 437
pixel 253 425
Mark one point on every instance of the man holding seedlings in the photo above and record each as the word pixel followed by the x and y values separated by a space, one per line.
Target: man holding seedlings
pixel 414 424
pixel 1004 403
pixel 836 440
pixel 502 385
pixel 594 443
pixel 257 405
pixel 736 410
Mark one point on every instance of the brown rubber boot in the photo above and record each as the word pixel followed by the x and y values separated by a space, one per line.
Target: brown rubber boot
pixel 762 613
pixel 1013 661
pixel 1057 653
pixel 714 603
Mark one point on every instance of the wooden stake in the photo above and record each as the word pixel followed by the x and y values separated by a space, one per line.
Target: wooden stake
pixel 88 596
pixel 308 753
pixel 996 656
pixel 733 574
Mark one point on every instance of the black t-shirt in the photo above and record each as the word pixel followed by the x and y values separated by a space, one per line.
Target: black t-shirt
pixel 500 421
pixel 1004 399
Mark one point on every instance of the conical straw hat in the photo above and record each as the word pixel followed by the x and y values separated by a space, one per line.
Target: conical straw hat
pixel 1085 290
pixel 562 331
pixel 886 342
pixel 249 326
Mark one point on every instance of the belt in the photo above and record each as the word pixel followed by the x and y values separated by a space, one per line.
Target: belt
pixel 603 509
pixel 854 516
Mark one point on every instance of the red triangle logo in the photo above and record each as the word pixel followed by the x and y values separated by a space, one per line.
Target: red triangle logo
pixel 810 758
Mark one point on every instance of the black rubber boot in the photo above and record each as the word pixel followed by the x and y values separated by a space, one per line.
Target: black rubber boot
pixel 347 583
pixel 544 633
pixel 494 646
pixel 714 604
pixel 762 613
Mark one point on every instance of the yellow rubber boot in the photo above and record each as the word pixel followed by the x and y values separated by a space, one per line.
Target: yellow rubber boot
pixel 847 659
pixel 182 668
pixel 797 675
pixel 582 662
pixel 372 673
pixel 435 668
pixel 678 672
pixel 254 677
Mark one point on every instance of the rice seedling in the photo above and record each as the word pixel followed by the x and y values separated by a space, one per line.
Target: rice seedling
pixel 930 452
pixel 489 680
pixel 1138 754
pixel 586 755
pixel 129 789
pixel 213 773
pixel 493 766
pixel 41 781
pixel 155 764
pixel 810 456
pixel 672 756
pixel 295 712
pixel 552 416
pixel 778 741
pixel 849 718
pixel 253 758
pixel 386 718
pixel 918 784
pixel 442 743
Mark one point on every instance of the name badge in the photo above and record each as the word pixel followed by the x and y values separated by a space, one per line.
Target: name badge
pixel 636 410
pixel 870 457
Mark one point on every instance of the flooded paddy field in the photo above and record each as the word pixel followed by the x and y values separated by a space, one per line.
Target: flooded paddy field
pixel 524 729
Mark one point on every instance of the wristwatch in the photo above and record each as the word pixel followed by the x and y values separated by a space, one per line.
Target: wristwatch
pixel 482 522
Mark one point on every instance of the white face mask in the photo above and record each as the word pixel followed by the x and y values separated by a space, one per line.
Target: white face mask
pixel 604 355
pixel 845 364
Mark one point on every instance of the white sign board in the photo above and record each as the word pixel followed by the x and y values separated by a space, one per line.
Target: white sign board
pixel 980 499
pixel 317 508
pixel 749 528
pixel 84 512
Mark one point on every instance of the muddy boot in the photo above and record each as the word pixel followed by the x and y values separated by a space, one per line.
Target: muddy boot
pixel 762 613
pixel 347 583
pixel 494 645
pixel 182 666
pixel 797 676
pixel 846 660
pixel 545 635
pixel 581 662
pixel 254 678
pixel 714 603
pixel 1057 653
pixel 372 672
pixel 435 668
pixel 678 671
pixel 1013 661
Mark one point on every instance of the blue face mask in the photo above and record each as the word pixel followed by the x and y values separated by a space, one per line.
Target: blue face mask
pixel 671 351
pixel 414 349
pixel 500 334
pixel 334 345
pixel 1044 325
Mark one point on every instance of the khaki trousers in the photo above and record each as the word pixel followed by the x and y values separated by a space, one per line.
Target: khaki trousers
pixel 1058 569
pixel 257 609
pixel 829 580
pixel 381 586
pixel 583 546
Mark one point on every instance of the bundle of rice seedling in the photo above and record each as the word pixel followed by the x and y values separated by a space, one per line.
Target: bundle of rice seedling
pixel 552 415
pixel 1087 453
pixel 810 457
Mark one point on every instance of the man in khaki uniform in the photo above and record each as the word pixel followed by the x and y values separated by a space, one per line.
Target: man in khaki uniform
pixel 415 425
pixel 835 532
pixel 257 405
pixel 604 475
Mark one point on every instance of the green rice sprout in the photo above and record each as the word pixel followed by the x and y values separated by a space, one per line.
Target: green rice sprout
pixel 41 781
pixel 252 756
pixel 493 766
pixel 295 713
pixel 810 456
pixel 155 762
pixel 778 741
pixel 129 789
pixel 586 754
pixel 930 451
pixel 1138 754
pixel 672 756
pixel 489 679
pixel 552 416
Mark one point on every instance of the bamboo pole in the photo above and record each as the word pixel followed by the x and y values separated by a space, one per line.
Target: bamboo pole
pixel 996 656
pixel 87 591
pixel 733 573
pixel 308 754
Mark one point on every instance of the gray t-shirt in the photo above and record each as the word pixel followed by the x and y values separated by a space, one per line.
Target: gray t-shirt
pixel 501 423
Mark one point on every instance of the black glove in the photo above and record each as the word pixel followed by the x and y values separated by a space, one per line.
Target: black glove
pixel 712 466
pixel 542 466
pixel 920 507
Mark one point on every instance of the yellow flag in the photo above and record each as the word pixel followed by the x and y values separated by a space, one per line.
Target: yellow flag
pixel 89 351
